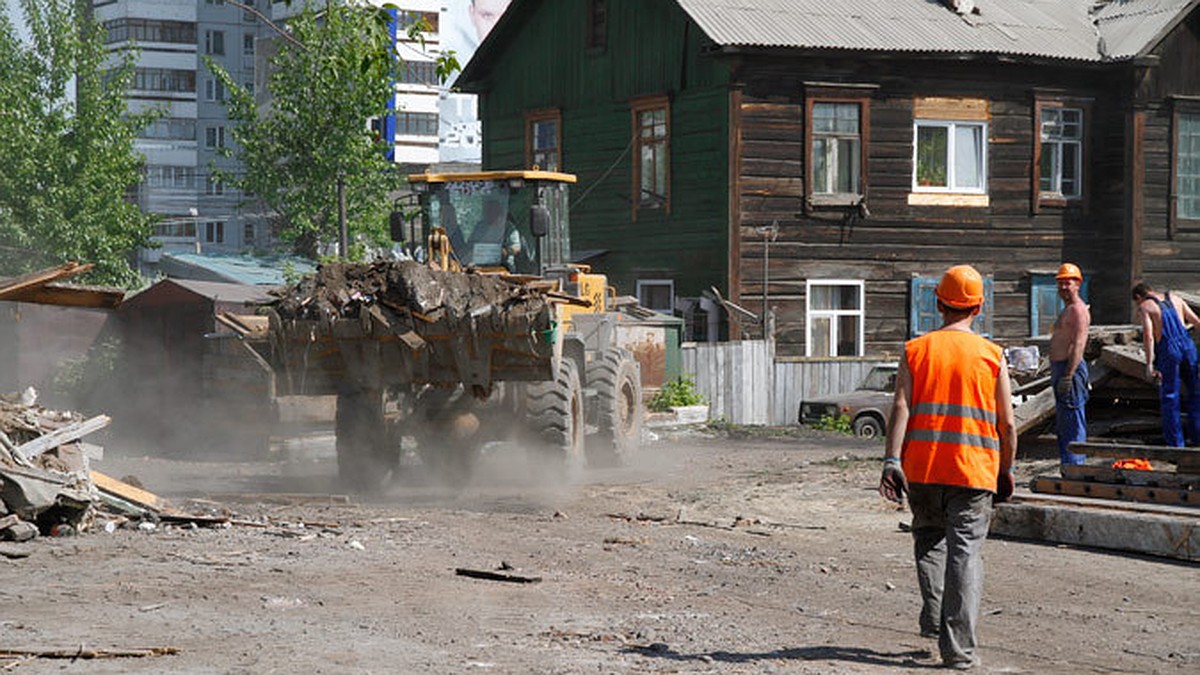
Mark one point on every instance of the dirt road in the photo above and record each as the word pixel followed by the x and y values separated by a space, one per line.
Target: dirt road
pixel 713 554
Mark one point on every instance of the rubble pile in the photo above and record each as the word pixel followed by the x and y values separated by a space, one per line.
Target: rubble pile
pixel 45 483
pixel 342 290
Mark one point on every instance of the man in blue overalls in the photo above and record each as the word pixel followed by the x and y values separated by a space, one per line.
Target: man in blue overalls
pixel 1068 369
pixel 1170 359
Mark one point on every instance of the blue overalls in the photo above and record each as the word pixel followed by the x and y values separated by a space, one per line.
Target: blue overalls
pixel 1175 358
pixel 1070 423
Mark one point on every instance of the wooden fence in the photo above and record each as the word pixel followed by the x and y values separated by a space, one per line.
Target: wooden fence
pixel 744 385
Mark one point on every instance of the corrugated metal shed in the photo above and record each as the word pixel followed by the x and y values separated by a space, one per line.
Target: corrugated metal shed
pixel 1133 27
pixel 1059 29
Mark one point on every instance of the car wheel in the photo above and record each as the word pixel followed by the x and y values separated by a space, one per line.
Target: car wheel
pixel 868 427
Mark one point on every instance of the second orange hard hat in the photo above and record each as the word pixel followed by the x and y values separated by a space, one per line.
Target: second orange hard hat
pixel 1069 271
pixel 961 287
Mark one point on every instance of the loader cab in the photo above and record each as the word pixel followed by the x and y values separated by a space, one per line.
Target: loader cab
pixel 512 221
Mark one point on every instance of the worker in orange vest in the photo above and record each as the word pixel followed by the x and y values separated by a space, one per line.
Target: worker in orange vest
pixel 951 441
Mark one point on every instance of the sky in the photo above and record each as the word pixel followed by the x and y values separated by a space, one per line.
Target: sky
pixel 14 13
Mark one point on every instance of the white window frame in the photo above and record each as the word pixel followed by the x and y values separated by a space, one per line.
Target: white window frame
pixel 810 314
pixel 1056 144
pixel 951 126
pixel 213 232
pixel 669 283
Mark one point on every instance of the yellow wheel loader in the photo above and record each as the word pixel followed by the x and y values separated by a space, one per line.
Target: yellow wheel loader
pixel 484 331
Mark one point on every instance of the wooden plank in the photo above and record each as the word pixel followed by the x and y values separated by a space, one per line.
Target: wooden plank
pixel 1107 474
pixel 61 295
pixel 15 286
pixel 1137 493
pixel 127 492
pixel 1169 535
pixel 56 438
pixel 1159 453
pixel 1129 360
pixel 1040 407
pixel 496 576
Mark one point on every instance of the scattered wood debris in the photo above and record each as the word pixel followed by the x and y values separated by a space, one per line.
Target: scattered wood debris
pixel 496 576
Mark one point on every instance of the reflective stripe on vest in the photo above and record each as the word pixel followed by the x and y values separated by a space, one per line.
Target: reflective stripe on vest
pixel 951 438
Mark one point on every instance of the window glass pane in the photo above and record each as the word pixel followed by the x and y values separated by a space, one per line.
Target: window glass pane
pixel 1048 168
pixel 1070 169
pixel 847 335
pixel 931 156
pixel 820 297
pixel 1051 123
pixel 968 161
pixel 822 148
pixel 848 161
pixel 846 297
pixel 1187 167
pixel 824 116
pixel 820 337
pixel 846 118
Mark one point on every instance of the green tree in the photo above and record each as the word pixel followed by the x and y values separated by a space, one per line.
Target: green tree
pixel 67 158
pixel 332 72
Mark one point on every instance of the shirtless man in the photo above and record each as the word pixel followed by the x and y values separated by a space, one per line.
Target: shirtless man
pixel 1068 370
pixel 1170 359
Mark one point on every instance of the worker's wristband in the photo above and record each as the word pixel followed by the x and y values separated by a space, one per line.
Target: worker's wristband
pixel 891 460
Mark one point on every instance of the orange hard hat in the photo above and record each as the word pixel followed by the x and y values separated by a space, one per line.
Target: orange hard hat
pixel 961 287
pixel 1069 271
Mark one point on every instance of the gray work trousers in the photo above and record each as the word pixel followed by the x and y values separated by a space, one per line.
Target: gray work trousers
pixel 949 527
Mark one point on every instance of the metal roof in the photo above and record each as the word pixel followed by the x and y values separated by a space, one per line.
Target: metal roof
pixel 1133 27
pixel 1060 29
pixel 238 269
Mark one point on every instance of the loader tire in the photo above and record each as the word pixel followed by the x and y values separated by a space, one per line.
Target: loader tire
pixel 365 457
pixel 555 417
pixel 616 378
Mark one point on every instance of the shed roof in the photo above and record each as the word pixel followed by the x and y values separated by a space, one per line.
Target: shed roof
pixel 240 269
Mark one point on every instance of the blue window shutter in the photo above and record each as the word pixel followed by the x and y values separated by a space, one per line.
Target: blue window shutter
pixel 923 315
pixel 983 322
pixel 1044 303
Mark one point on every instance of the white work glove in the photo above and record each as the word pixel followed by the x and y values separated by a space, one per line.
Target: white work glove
pixel 893 485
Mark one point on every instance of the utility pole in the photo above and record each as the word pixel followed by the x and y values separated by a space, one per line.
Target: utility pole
pixel 343 234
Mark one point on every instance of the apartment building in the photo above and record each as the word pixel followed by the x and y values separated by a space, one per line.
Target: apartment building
pixel 182 148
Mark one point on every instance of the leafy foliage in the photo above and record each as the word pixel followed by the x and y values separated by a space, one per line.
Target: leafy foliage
pixel 66 147
pixel 330 76
pixel 840 424
pixel 678 392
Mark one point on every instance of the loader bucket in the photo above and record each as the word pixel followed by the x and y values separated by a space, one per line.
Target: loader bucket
pixel 392 323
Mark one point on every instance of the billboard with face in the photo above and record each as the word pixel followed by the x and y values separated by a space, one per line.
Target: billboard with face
pixel 465 24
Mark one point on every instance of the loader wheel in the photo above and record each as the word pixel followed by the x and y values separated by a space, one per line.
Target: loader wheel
pixel 616 378
pixel 365 457
pixel 554 413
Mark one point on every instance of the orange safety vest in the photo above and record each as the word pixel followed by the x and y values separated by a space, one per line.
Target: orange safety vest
pixel 951 438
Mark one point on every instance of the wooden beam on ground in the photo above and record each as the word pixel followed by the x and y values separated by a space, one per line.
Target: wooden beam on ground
pixel 81 653
pixel 496 576
pixel 71 432
pixel 1106 474
pixel 1168 535
pixel 127 492
pixel 1137 493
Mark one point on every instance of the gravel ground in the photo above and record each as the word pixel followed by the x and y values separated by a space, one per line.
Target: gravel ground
pixel 715 552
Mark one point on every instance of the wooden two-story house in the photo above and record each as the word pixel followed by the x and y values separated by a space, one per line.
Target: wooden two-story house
pixel 828 160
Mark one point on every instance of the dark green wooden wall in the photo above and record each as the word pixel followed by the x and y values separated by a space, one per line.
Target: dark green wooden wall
pixel 652 49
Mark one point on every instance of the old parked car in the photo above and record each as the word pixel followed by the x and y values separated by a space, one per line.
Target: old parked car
pixel 867 407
